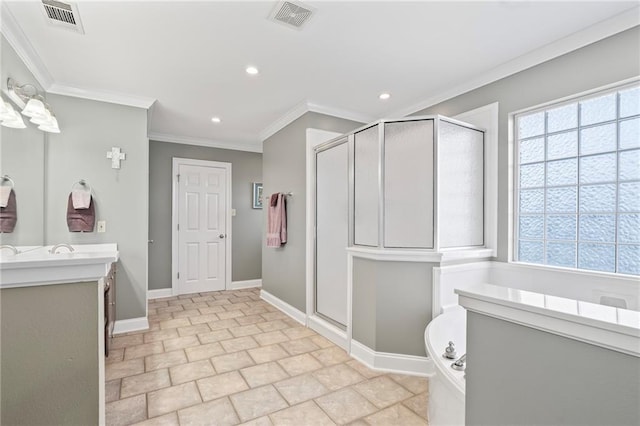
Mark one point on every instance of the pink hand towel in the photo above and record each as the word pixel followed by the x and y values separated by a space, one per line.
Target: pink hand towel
pixel 277 222
pixel 5 192
pixel 81 198
pixel 80 220
pixel 9 214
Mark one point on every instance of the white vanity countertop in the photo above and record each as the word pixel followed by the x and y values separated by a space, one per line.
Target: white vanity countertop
pixel 88 262
pixel 606 326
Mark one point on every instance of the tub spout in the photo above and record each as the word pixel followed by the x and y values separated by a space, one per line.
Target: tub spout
pixel 9 247
pixel 460 364
pixel 57 246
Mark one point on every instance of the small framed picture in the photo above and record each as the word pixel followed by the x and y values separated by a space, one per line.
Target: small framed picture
pixel 257 195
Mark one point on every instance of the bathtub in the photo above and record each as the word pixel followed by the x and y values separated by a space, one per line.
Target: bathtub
pixel 530 289
pixel 446 386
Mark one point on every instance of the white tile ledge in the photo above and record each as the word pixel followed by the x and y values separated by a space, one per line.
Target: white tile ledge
pixel 420 255
pixel 605 326
pixel 89 262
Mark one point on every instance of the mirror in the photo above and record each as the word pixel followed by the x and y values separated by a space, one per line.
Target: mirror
pixel 22 157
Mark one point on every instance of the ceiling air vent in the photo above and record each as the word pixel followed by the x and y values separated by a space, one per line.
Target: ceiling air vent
pixel 293 14
pixel 63 15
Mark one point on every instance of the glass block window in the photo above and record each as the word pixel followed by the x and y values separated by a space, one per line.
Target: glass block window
pixel 578 183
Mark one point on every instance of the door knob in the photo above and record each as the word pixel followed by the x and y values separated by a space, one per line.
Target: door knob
pixel 221 235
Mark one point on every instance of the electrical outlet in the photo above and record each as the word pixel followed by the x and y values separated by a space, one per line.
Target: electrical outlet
pixel 102 226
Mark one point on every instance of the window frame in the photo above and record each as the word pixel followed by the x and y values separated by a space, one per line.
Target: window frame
pixel 514 173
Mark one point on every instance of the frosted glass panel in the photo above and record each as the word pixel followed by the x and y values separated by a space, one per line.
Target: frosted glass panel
pixel 629 259
pixel 531 227
pixel 532 150
pixel 531 125
pixel 597 110
pixel 562 118
pixel 531 251
pixel 460 164
pixel 630 165
pixel 366 190
pixel 562 145
pixel 630 134
pixel 561 254
pixel 531 175
pixel 629 197
pixel 532 201
pixel 408 185
pixel 562 172
pixel 561 227
pixel 630 102
pixel 597 257
pixel 597 227
pixel 594 140
pixel 561 200
pixel 629 228
pixel 598 168
pixel 332 222
pixel 597 198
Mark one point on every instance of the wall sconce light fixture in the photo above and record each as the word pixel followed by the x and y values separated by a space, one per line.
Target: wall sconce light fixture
pixel 35 108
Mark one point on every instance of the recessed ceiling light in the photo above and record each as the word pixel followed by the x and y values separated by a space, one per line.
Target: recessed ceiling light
pixel 252 70
pixel 216 119
pixel 384 96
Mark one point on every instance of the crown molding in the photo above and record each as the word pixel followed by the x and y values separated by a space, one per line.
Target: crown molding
pixel 287 118
pixel 589 35
pixel 304 107
pixel 340 113
pixel 18 40
pixel 102 96
pixel 187 140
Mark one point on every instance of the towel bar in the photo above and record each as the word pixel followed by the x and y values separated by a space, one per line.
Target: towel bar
pixel 8 178
pixel 82 182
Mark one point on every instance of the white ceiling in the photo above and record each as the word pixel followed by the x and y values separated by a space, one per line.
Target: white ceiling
pixel 191 56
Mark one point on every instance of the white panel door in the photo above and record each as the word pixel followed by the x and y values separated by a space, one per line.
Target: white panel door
pixel 202 229
pixel 332 239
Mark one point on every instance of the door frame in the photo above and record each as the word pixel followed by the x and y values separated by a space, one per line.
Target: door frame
pixel 175 258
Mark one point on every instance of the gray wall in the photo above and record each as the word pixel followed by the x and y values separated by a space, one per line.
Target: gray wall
pixel 247 224
pixel 49 369
pixel 607 61
pixel 391 305
pixel 517 375
pixel 284 170
pixel 22 158
pixel 89 130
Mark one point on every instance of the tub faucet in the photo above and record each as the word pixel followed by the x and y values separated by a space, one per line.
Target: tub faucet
pixel 9 247
pixel 450 351
pixel 57 246
pixel 460 364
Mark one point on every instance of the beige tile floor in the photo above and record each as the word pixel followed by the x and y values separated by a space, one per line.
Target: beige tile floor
pixel 228 357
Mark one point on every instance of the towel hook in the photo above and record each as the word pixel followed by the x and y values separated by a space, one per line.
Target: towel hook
pixel 83 183
pixel 8 178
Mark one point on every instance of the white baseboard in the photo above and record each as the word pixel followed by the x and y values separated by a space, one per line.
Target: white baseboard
pixel 237 285
pixel 128 325
pixel 393 363
pixel 159 293
pixel 284 307
pixel 328 330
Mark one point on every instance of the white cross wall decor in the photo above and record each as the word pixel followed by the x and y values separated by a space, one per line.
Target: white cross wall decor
pixel 116 156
